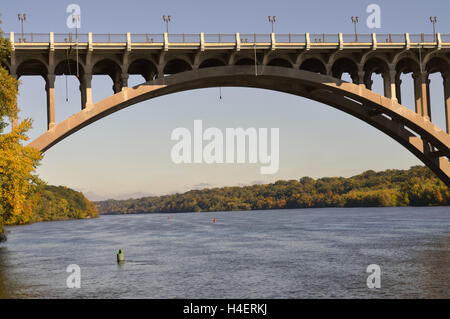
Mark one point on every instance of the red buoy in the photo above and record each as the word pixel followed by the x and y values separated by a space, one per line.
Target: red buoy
pixel 214 220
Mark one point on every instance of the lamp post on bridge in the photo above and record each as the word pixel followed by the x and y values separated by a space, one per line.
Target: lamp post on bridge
pixel 434 21
pixel 76 20
pixel 167 19
pixel 272 19
pixel 22 18
pixel 355 20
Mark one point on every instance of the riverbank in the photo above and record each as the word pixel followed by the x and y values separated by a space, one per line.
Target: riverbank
pixel 52 203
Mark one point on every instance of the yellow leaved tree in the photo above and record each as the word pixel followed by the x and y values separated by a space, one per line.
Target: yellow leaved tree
pixel 17 162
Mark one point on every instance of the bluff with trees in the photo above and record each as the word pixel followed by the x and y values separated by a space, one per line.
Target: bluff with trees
pixel 417 186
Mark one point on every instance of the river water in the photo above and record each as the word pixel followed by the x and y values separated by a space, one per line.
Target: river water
pixel 302 253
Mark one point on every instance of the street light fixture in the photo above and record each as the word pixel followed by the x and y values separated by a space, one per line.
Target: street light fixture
pixel 355 20
pixel 76 20
pixel 167 19
pixel 434 21
pixel 272 19
pixel 22 18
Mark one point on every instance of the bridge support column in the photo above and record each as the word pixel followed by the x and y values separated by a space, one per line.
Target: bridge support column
pixel 328 68
pixel 425 91
pixel 398 91
pixel 418 93
pixel 447 101
pixel 361 79
pixel 86 90
pixel 390 86
pixel 120 81
pixel 124 80
pixel 428 81
pixel 386 85
pixel 50 88
pixel 160 72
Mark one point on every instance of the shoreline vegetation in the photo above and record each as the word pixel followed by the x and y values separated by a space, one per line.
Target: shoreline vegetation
pixel 417 186
pixel 52 203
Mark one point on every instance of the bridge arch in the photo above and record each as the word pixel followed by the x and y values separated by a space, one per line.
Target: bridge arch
pixel 345 65
pixel 245 61
pixel 280 62
pixel 314 65
pixel 211 62
pixel 69 67
pixel 425 140
pixel 407 65
pixel 143 67
pixel 32 67
pixel 175 66
pixel 111 68
pixel 375 65
pixel 438 64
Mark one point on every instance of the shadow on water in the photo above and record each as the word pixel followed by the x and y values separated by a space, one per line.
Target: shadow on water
pixel 8 287
pixel 435 259
pixel 12 285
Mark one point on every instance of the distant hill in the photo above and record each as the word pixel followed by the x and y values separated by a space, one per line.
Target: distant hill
pixel 417 186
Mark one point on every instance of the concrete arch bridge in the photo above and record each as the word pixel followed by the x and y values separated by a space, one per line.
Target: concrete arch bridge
pixel 307 65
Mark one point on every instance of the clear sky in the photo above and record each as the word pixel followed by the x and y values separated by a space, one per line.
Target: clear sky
pixel 128 153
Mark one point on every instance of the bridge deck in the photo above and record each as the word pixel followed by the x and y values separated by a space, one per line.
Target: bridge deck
pixel 228 41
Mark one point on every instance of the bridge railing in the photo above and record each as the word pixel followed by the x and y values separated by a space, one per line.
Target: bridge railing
pixel 220 38
pixel 71 38
pixel 290 38
pixel 357 38
pixel 184 38
pixel 109 38
pixel 315 38
pixel 422 38
pixel 391 38
pixel 147 38
pixel 255 38
pixel 33 37
pixel 324 38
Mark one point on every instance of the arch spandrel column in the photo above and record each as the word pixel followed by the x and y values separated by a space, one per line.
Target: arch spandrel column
pixel 124 80
pixel 120 82
pixel 398 91
pixel 86 90
pixel 392 83
pixel 418 92
pixel 428 81
pixel 50 89
pixel 329 69
pixel 425 92
pixel 361 81
pixel 446 78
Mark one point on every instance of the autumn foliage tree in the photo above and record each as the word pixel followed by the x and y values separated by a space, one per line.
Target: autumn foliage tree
pixel 17 162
